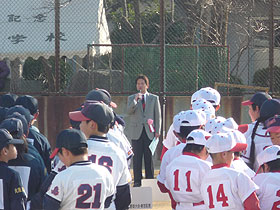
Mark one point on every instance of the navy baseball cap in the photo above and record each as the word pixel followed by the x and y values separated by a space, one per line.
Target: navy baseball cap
pixel 94 110
pixel 258 98
pixel 22 119
pixel 270 108
pixel 69 139
pixel 28 102
pixel 8 100
pixel 101 95
pixel 3 112
pixel 6 138
pixel 273 124
pixel 20 109
pixel 14 126
pixel 76 124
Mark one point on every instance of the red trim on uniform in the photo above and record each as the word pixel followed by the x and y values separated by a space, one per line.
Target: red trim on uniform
pixel 276 171
pixel 54 153
pixel 163 151
pixel 220 165
pixel 162 187
pixel 236 158
pixel 252 202
pixel 191 154
pixel 243 128
pixel 198 204
pixel 173 202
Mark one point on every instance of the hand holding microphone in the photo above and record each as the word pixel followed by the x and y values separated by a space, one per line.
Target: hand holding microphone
pixel 138 96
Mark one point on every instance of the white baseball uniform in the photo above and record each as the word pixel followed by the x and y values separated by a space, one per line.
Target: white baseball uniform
pixel 103 152
pixel 239 165
pixel 183 180
pixel 261 142
pixel 119 139
pixel 226 188
pixel 170 155
pixel 269 190
pixel 83 185
pixel 171 140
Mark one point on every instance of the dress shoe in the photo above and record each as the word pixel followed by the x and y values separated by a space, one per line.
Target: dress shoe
pixel 137 184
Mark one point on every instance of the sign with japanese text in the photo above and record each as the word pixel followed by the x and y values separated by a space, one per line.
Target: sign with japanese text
pixel 28 28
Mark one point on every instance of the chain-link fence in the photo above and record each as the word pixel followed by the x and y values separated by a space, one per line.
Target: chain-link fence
pixel 198 35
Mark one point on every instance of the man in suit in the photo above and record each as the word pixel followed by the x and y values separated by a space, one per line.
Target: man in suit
pixel 141 107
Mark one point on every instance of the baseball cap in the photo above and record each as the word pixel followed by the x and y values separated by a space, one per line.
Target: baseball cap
pixel 20 109
pixel 205 106
pixel 223 142
pixel 268 154
pixel 211 95
pixel 273 124
pixel 93 110
pixel 212 123
pixel 101 95
pixel 238 136
pixel 13 125
pixel 269 108
pixel 3 111
pixel 258 99
pixel 189 118
pixel 28 102
pixel 6 138
pixel 8 100
pixel 198 136
pixel 76 124
pixel 195 96
pixel 22 119
pixel 69 139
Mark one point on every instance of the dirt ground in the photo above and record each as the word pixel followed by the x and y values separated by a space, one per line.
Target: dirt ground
pixel 161 206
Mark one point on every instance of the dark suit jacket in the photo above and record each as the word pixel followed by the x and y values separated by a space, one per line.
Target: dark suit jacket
pixel 137 118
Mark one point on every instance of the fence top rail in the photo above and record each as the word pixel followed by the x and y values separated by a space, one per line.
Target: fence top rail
pixel 218 84
pixel 154 45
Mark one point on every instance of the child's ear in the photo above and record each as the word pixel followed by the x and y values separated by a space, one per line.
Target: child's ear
pixel 266 168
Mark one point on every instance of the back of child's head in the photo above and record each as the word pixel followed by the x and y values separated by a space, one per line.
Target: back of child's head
pixel 271 157
pixel 15 127
pixel 206 107
pixel 73 140
pixel 196 141
pixel 187 121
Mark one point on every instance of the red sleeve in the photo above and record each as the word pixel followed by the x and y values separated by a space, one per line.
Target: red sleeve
pixel 162 187
pixel 163 151
pixel 243 128
pixel 252 202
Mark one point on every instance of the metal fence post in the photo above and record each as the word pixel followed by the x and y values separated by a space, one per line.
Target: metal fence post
pixel 57 45
pixel 162 63
pixel 271 46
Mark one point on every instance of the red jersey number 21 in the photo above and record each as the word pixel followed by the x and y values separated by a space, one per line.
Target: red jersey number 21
pixel 176 181
pixel 220 197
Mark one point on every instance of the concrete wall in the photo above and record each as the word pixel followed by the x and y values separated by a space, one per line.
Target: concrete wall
pixel 54 111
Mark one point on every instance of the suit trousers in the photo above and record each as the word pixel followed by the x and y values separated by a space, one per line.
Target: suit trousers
pixel 140 148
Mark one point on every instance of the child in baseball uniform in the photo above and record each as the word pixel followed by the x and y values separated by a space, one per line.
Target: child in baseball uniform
pixel 268 178
pixel 224 187
pixel 184 123
pixel 184 173
pixel 258 140
pixel 82 185
pixel 13 195
pixel 209 94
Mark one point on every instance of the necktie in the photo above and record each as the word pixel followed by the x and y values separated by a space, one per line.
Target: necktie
pixel 143 103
